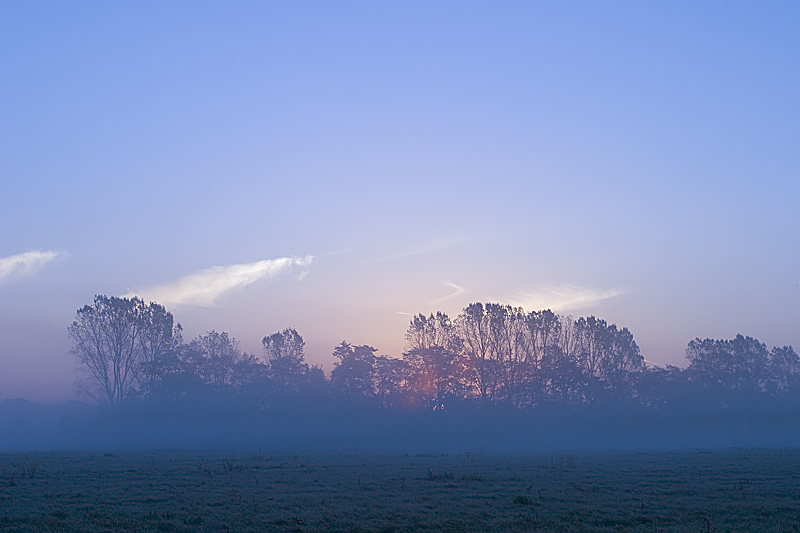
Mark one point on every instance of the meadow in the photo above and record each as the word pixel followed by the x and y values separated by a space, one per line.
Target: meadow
pixel 726 490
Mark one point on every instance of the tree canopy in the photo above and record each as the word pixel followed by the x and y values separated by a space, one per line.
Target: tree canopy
pixel 490 354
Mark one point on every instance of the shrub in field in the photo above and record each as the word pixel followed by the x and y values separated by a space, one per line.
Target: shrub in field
pixel 519 499
pixel 439 476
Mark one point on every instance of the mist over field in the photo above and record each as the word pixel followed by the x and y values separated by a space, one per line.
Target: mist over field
pixel 29 427
pixel 498 418
pixel 495 377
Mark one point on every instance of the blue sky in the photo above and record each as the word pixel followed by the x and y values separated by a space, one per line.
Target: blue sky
pixel 335 166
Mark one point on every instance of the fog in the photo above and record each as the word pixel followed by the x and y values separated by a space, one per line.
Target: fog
pixel 26 426
pixel 495 377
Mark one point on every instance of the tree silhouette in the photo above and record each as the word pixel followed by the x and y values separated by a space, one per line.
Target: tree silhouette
pixel 491 352
pixel 472 326
pixel 730 371
pixel 354 372
pixel 434 330
pixel 784 371
pixel 105 339
pixel 217 361
pixel 434 374
pixel 608 356
pixel 285 356
pixel 120 345
pixel 159 341
pixel 391 380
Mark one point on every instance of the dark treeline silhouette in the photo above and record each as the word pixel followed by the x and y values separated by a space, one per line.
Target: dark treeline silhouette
pixel 495 374
pixel 490 354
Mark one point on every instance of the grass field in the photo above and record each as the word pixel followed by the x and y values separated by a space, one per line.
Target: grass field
pixel 730 490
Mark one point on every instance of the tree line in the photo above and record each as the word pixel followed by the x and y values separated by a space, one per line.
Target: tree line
pixel 490 354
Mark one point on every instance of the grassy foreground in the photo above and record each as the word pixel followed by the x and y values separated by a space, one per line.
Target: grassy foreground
pixel 256 491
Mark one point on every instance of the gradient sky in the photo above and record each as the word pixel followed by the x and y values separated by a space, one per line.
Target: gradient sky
pixel 337 166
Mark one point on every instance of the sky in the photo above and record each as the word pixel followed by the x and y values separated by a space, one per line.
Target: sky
pixel 337 167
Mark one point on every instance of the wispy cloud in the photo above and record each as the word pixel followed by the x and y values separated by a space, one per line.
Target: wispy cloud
pixel 561 298
pixel 456 291
pixel 432 245
pixel 204 288
pixel 17 266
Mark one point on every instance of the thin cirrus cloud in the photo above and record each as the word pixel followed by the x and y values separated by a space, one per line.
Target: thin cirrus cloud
pixel 21 265
pixel 456 291
pixel 204 288
pixel 431 246
pixel 561 298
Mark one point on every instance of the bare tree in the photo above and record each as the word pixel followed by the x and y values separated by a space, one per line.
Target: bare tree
pixel 105 339
pixel 591 336
pixel 609 357
pixel 544 330
pixel 509 346
pixel 473 330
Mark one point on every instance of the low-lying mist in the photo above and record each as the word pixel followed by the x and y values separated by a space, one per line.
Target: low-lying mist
pixel 353 428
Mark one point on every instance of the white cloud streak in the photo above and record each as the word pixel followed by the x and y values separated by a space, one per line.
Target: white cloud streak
pixel 18 266
pixel 561 298
pixel 204 288
pixel 456 291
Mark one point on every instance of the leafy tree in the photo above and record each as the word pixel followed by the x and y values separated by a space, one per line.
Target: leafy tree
pixel 434 373
pixel 621 361
pixel 179 373
pixel 561 381
pixel 665 388
pixel 354 372
pixel 158 343
pixel 784 371
pixel 285 356
pixel 216 359
pixel 434 330
pixel 315 383
pixel 750 366
pixel 729 369
pixel 391 380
